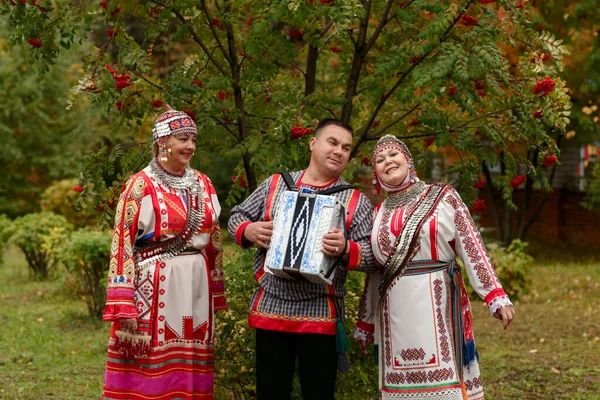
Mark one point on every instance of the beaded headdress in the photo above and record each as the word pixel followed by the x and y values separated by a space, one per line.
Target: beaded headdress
pixel 173 122
pixel 387 142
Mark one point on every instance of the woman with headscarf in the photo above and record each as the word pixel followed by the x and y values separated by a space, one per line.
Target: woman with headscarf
pixel 416 308
pixel 166 278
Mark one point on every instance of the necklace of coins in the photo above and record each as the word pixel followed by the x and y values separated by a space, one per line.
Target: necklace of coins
pixel 172 181
pixel 404 197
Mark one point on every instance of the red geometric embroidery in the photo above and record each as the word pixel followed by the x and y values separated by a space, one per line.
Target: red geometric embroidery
pixel 384 232
pixel 395 378
pixel 416 377
pixel 387 334
pixel 444 345
pixel 475 383
pixel 198 334
pixel 439 375
pixel 412 354
pixel 420 377
pixel 462 221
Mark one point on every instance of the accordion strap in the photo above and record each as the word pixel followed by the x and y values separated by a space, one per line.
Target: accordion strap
pixel 335 189
pixel 289 182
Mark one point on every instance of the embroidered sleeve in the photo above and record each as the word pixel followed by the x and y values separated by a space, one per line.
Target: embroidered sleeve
pixel 359 237
pixel 216 256
pixel 120 292
pixel 250 210
pixel 470 248
pixel 367 308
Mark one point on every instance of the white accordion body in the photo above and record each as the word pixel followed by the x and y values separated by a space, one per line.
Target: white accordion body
pixel 301 220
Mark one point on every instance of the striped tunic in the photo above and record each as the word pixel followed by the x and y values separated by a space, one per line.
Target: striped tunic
pixel 294 305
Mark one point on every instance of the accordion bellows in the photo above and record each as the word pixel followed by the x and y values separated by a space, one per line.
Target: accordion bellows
pixel 301 220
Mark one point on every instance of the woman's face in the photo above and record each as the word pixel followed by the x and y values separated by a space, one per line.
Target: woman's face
pixel 183 147
pixel 391 166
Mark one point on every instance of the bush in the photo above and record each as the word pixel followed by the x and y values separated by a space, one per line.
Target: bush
pixel 592 190
pixel 511 264
pixel 86 256
pixel 361 381
pixel 235 340
pixel 38 236
pixel 6 231
pixel 60 198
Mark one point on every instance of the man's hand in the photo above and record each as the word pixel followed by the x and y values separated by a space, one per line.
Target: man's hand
pixel 334 243
pixel 506 314
pixel 259 233
pixel 128 323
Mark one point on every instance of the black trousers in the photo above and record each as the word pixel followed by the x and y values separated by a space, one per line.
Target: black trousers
pixel 276 354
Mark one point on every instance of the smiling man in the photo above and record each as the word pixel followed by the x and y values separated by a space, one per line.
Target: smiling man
pixel 297 318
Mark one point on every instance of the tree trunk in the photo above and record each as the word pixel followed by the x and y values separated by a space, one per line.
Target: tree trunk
pixel 311 70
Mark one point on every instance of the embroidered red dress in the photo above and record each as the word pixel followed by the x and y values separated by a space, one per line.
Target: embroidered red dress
pixel 171 355
pixel 423 352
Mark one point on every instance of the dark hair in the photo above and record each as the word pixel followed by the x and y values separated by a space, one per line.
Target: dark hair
pixel 324 123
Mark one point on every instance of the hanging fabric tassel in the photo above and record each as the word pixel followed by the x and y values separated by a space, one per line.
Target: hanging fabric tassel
pixel 469 353
pixel 342 345
pixel 133 344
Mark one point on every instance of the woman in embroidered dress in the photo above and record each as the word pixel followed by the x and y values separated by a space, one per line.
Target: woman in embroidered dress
pixel 166 278
pixel 416 308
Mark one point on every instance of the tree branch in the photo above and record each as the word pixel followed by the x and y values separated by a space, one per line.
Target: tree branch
pixel 145 79
pixel 378 134
pixel 214 31
pixel 226 127
pixel 357 61
pixel 297 67
pixel 382 22
pixel 261 117
pixel 326 28
pixel 195 36
pixel 421 135
pixel 387 95
pixel 324 108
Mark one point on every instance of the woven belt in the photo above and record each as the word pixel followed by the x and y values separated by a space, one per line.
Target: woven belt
pixel 422 267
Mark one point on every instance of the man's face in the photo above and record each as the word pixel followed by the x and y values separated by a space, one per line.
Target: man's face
pixel 331 149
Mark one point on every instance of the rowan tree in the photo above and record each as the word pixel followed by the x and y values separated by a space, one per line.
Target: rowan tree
pixel 258 76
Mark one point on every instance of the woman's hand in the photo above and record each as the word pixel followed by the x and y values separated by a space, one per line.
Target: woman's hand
pixel 259 233
pixel 506 314
pixel 128 323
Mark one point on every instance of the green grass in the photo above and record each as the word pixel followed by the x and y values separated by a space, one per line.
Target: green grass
pixel 552 348
pixel 50 349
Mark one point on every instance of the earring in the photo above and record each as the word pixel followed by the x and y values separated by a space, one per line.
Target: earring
pixel 376 187
pixel 165 150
